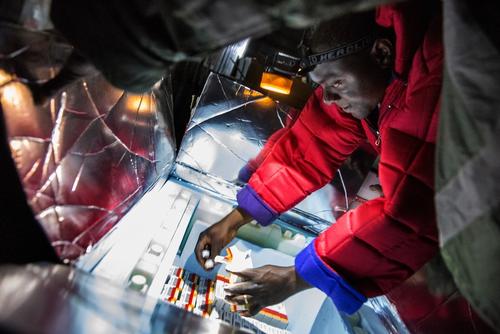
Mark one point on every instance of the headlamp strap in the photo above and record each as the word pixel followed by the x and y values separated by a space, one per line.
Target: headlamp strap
pixel 338 52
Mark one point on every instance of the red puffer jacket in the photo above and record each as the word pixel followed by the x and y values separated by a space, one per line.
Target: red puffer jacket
pixel 373 248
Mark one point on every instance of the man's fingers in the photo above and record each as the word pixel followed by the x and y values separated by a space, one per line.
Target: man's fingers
pixel 252 306
pixel 205 253
pixel 247 274
pixel 209 264
pixel 246 287
pixel 202 247
pixel 254 309
pixel 240 299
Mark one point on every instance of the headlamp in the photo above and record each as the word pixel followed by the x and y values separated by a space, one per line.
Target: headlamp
pixel 279 73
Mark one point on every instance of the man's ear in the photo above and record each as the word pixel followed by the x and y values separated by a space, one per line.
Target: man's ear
pixel 383 52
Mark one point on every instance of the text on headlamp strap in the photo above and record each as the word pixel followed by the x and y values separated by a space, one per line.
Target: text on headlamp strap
pixel 337 53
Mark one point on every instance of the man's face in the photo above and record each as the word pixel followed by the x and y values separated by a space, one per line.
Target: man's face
pixel 355 83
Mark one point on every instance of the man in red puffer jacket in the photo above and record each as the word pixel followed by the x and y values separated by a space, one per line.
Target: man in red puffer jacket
pixel 380 85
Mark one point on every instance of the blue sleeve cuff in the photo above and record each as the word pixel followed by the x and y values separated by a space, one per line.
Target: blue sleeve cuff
pixel 314 271
pixel 245 173
pixel 255 206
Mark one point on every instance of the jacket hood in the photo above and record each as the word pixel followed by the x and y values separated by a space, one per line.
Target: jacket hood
pixel 409 20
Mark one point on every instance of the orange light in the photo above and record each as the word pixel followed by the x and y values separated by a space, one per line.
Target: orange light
pixel 16 95
pixel 250 92
pixel 265 101
pixel 4 77
pixel 139 103
pixel 276 83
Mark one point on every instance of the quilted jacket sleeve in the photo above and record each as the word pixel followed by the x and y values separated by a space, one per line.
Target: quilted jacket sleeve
pixel 303 160
pixel 368 250
pixel 246 172
pixel 376 246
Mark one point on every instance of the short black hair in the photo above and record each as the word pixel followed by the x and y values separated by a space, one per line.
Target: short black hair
pixel 342 30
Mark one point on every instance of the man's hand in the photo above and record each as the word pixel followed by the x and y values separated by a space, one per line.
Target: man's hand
pixel 264 286
pixel 213 239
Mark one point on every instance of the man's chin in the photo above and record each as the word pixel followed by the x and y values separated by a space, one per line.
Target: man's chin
pixel 356 113
pixel 359 114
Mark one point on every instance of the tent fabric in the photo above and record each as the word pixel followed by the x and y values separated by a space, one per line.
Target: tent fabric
pixel 468 153
pixel 142 39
